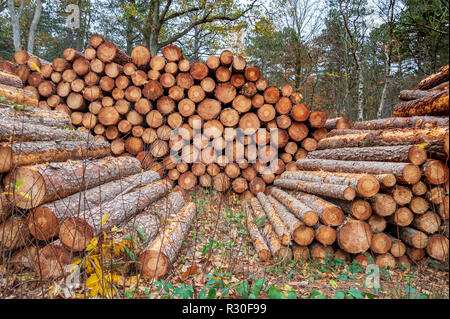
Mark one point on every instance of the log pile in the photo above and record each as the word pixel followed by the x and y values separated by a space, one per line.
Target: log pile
pixel 379 187
pixel 430 97
pixel 180 118
pixel 61 187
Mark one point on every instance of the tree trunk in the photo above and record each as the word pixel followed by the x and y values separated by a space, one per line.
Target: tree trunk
pixel 410 95
pixel 43 183
pixel 340 123
pixel 18 96
pixel 414 238
pixel 30 153
pixel 400 153
pixel 31 115
pixel 366 185
pixel 354 236
pixel 323 189
pixel 329 214
pixel 436 104
pixel 33 26
pixel 299 209
pixel 404 172
pixel 434 79
pixel 272 240
pixel 278 225
pixel 155 260
pixel 437 247
pixel 433 136
pixel 44 221
pixel 76 232
pixel 257 239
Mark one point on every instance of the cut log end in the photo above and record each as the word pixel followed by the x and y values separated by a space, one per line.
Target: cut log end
pixel 75 234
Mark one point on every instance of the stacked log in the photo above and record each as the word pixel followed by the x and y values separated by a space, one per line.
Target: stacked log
pixel 180 117
pixel 386 179
pixel 430 98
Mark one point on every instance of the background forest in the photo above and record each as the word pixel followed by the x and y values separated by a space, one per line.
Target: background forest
pixel 349 57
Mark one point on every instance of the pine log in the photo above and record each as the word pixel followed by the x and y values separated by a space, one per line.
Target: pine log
pixel 329 214
pixel 416 254
pixel 52 261
pixel 402 217
pixel 428 222
pixel 272 240
pixel 300 253
pixel 27 153
pixel 398 153
pixel 34 115
pixel 354 236
pixel 323 189
pixel 18 95
pixel 321 253
pixel 402 122
pixel 289 220
pixel 419 205
pixel 409 95
pixel 324 234
pixel 434 79
pixel 437 247
pixel 385 261
pixel 436 104
pixel 257 239
pixel 398 248
pixel 414 238
pixel 76 233
pixel 377 223
pixel 358 209
pixel 408 136
pixel 44 183
pixel 44 221
pixel 404 172
pixel 278 225
pixel 436 172
pixel 14 233
pixel 366 185
pixel 340 123
pixel 155 260
pixel 383 204
pixel 401 194
pixel 381 243
pixel 108 52
pixel 9 79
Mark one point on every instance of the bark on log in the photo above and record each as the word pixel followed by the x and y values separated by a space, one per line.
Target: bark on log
pixel 358 209
pixel 19 96
pixel 436 104
pixel 329 214
pixel 33 115
pixel 257 239
pixel 156 259
pixel 409 95
pixel 75 233
pixel 44 183
pixel 366 185
pixel 404 172
pixel 14 233
pixel 28 132
pixel 28 153
pixel 414 238
pixel 409 136
pixel 340 123
pixel 278 225
pixel 398 153
pixel 434 79
pixel 272 240
pixel 9 79
pixel 44 221
pixel 402 122
pixel 323 189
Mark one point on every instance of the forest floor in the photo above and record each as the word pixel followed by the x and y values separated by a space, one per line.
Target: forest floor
pixel 218 261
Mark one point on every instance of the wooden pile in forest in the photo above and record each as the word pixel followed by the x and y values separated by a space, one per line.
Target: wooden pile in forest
pixel 383 191
pixel 60 188
pixel 430 98
pixel 379 187
pixel 136 102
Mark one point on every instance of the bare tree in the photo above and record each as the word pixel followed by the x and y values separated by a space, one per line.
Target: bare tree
pixel 389 14
pixel 16 15
pixel 352 16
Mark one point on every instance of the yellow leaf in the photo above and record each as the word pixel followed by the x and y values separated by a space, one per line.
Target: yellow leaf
pixel 35 67
pixel 423 145
pixel 104 219
pixel 93 244
pixel 92 281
